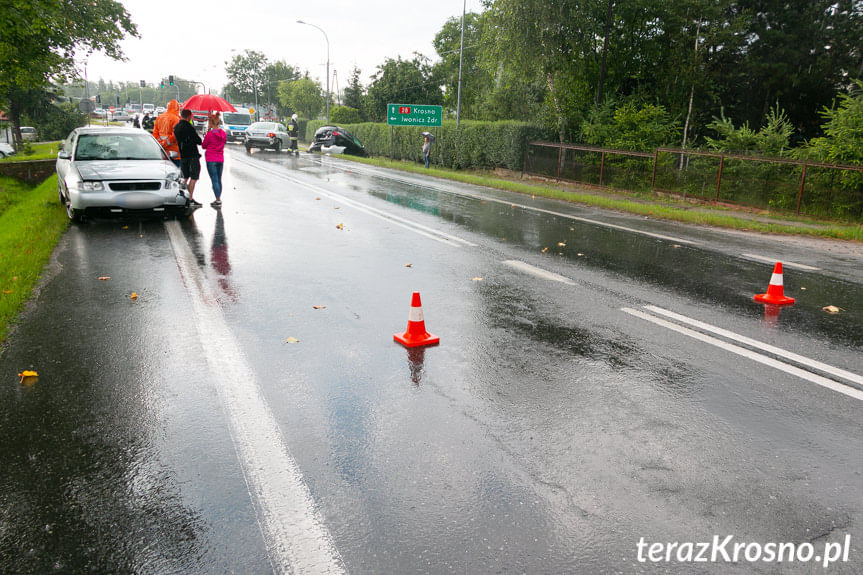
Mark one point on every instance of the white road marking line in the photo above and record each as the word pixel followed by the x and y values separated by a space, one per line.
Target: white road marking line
pixel 835 371
pixel 785 263
pixel 296 538
pixel 538 272
pixel 410 225
pixel 523 206
pixel 769 361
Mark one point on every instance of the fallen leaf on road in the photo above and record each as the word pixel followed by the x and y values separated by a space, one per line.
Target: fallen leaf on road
pixel 292 340
pixel 319 307
pixel 125 228
pixel 476 279
pixel 832 309
pixel 572 229
pixel 544 250
pixel 561 244
pixel 580 254
pixel 317 198
pixel 336 207
pixel 28 377
pixel 803 288
pixel 133 295
pixel 676 246
pixel 340 227
pixel 409 265
pixel 103 278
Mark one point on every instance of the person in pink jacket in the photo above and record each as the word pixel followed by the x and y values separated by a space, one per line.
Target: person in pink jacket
pixel 214 144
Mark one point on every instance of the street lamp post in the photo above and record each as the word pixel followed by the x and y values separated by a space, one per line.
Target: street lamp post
pixel 328 64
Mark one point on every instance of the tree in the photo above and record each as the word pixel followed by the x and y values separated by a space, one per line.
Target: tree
pixel 354 91
pixel 40 38
pixel 402 81
pixel 278 72
pixel 475 79
pixel 246 78
pixel 303 96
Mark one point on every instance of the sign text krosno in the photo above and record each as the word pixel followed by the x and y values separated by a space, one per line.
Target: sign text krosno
pixel 414 115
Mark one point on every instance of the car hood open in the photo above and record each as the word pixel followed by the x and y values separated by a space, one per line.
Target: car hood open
pixel 125 169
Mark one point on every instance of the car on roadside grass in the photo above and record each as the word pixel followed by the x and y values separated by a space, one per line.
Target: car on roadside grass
pixel 117 171
pixel 336 140
pixel 29 133
pixel 265 135
pixel 6 150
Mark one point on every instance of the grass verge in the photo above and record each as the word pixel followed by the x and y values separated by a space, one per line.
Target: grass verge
pixel 40 151
pixel 642 204
pixel 31 223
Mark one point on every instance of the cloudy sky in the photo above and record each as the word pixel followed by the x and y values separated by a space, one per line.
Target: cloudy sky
pixel 193 39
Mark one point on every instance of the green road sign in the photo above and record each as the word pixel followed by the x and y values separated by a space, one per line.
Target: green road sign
pixel 414 115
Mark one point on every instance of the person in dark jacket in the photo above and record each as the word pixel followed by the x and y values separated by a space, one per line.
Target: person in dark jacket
pixel 293 134
pixel 188 141
pixel 148 122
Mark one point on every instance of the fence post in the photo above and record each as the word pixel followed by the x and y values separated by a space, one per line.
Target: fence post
pixel 559 158
pixel 601 168
pixel 719 178
pixel 655 161
pixel 800 193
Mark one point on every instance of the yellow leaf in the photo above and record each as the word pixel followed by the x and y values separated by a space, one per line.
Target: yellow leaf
pixel 561 244
pixel 27 373
pixel 544 250
pixel 580 254
pixel 340 226
pixel 476 279
pixel 7 291
pixel 319 307
pixel 103 278
pixel 676 246
pixel 572 229
pixel 133 295
pixel 409 265
pixel 292 340
pixel 125 228
pixel 28 377
pixel 832 309
pixel 803 288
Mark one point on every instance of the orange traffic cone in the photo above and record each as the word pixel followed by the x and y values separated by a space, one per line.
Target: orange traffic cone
pixel 416 334
pixel 775 293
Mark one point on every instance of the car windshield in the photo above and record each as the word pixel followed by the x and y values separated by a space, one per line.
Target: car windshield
pixel 237 119
pixel 117 147
pixel 271 126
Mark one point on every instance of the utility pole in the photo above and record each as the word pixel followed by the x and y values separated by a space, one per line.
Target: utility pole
pixel 460 60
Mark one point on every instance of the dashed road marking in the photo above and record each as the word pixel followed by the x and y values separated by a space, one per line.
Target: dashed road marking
pixel 785 263
pixel 538 272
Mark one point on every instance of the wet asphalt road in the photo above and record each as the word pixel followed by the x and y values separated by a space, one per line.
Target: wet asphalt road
pixel 555 425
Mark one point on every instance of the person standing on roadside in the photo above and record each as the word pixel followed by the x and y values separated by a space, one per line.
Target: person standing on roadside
pixel 293 134
pixel 147 123
pixel 188 141
pixel 163 131
pixel 426 150
pixel 214 146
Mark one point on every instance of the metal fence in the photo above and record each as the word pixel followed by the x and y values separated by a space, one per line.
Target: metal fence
pixel 810 188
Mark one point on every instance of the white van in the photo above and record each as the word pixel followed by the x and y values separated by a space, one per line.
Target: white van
pixel 149 108
pixel 236 123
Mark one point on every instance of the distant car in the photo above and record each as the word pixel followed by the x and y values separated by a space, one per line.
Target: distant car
pixel 267 135
pixel 112 171
pixel 160 110
pixel 6 150
pixel 100 112
pixel 119 116
pixel 28 133
pixel 336 140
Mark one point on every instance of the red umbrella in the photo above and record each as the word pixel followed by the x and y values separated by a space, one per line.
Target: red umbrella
pixel 209 103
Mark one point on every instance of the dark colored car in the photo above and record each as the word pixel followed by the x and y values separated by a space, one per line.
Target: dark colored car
pixel 336 140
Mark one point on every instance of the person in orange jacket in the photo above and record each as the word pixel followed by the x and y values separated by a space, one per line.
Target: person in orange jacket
pixel 163 131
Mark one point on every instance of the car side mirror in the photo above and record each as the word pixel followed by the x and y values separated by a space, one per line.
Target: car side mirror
pixel 64 155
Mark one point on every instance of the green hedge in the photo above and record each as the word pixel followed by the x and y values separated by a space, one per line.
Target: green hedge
pixel 473 145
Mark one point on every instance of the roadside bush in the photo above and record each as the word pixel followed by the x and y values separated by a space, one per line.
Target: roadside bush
pixel 343 115
pixel 473 145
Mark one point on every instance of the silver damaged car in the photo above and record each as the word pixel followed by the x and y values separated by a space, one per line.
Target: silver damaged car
pixel 117 171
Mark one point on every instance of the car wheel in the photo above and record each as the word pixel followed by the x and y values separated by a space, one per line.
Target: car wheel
pixel 278 145
pixel 75 216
